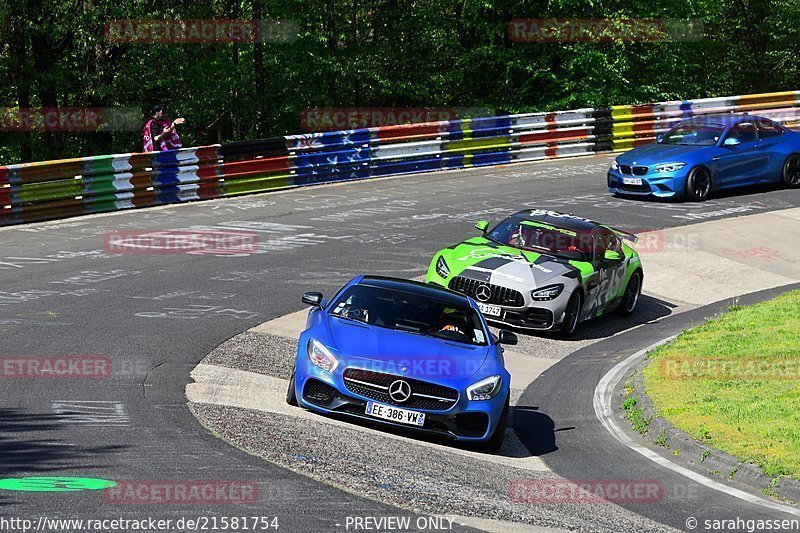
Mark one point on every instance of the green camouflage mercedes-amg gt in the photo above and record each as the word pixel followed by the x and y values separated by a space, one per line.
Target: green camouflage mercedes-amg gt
pixel 543 270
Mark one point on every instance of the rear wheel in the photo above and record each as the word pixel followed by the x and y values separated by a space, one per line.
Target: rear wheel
pixel 291 396
pixel 698 184
pixel 791 172
pixel 630 298
pixel 495 442
pixel 571 314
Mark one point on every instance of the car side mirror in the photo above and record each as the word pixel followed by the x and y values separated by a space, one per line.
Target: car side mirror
pixel 731 141
pixel 508 337
pixel 482 226
pixel 612 257
pixel 313 298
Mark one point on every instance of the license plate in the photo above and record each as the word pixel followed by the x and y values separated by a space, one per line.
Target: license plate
pixel 632 181
pixel 395 414
pixel 491 310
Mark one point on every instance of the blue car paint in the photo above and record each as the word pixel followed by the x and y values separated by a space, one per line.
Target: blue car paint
pixel 428 359
pixel 750 163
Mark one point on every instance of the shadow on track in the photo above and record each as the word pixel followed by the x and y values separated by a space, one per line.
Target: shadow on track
pixel 648 310
pixel 29 444
pixel 748 190
pixel 539 424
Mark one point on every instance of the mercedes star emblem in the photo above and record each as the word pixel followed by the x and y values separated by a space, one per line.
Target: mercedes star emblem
pixel 399 391
pixel 483 293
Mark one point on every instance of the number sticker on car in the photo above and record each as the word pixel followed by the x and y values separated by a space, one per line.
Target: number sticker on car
pixel 632 181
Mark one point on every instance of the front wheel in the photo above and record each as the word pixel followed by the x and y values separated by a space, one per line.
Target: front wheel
pixel 291 395
pixel 698 184
pixel 630 299
pixel 790 177
pixel 571 315
pixel 495 442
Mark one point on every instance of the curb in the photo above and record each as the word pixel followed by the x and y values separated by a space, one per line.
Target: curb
pixel 660 432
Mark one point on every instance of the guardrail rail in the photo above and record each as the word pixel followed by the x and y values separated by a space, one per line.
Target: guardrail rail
pixel 58 189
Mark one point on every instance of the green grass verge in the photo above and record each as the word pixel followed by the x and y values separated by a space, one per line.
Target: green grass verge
pixel 751 408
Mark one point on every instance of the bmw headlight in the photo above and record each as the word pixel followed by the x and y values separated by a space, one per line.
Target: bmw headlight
pixel 668 167
pixel 614 165
pixel 485 389
pixel 441 267
pixel 320 356
pixel 547 293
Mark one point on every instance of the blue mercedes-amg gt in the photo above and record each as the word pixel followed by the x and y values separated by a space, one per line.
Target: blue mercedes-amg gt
pixel 407 355
pixel 709 153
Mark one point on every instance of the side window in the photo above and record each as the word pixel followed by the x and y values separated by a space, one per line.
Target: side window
pixel 744 131
pixel 768 129
pixel 603 240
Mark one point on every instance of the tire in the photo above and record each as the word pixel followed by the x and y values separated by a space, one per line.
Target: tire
pixel 291 396
pixel 790 176
pixel 571 315
pixel 630 298
pixel 495 442
pixel 698 185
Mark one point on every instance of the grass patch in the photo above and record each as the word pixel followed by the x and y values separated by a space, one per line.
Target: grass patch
pixel 634 415
pixel 731 403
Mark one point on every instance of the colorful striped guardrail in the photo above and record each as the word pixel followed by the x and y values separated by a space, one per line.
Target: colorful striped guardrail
pixel 58 189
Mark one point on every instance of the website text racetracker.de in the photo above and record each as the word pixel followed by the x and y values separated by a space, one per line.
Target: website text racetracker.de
pixel 149 524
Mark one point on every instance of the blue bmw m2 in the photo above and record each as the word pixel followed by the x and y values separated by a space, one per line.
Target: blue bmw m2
pixel 709 153
pixel 404 354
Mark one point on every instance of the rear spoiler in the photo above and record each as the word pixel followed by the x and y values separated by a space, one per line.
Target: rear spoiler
pixel 625 235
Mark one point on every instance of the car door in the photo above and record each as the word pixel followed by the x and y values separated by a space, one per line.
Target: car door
pixel 604 286
pixel 770 135
pixel 741 157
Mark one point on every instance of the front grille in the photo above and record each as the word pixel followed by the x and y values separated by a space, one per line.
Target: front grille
pixel 318 393
pixel 375 385
pixel 472 424
pixel 499 295
pixel 644 187
pixel 625 169
pixel 534 317
pixel 639 171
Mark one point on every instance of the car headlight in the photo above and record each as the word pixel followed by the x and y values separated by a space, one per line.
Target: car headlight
pixel 320 356
pixel 547 293
pixel 441 267
pixel 485 389
pixel 614 165
pixel 668 167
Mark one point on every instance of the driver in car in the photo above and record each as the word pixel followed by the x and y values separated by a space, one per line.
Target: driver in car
pixel 453 320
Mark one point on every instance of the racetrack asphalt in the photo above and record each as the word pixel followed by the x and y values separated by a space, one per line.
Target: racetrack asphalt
pixel 156 315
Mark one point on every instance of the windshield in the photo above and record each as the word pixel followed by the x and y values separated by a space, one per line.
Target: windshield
pixel 543 238
pixel 414 313
pixel 694 133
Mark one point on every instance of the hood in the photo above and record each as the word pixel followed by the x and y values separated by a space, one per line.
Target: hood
pixel 386 350
pixel 489 262
pixel 652 154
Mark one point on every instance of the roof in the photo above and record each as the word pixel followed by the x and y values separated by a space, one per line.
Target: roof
pixel 415 287
pixel 559 220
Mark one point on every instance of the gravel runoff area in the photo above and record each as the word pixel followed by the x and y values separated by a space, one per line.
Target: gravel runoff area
pixel 402 472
